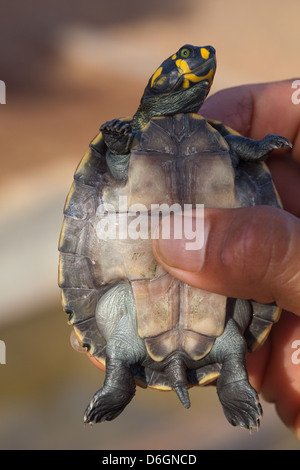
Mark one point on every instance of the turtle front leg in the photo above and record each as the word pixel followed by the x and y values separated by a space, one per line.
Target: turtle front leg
pixel 117 135
pixel 247 149
pixel 117 391
pixel 238 398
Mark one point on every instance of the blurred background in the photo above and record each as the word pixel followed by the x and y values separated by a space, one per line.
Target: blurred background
pixel 69 66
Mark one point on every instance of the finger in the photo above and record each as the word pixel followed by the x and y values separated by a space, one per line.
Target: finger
pixel 281 384
pixel 286 177
pixel 249 252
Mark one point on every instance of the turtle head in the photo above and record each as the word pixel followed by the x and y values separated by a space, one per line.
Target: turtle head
pixel 189 66
pixel 180 84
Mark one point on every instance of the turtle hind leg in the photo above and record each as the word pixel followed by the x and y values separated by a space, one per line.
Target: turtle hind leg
pixel 238 398
pixel 117 391
pixel 240 402
pixel 115 318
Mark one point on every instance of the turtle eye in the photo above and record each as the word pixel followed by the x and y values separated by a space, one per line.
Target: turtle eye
pixel 185 52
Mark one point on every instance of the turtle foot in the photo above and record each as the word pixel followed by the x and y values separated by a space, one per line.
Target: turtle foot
pixel 106 405
pixel 117 135
pixel 240 404
pixel 272 142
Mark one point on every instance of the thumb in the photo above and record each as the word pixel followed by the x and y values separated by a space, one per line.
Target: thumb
pixel 248 253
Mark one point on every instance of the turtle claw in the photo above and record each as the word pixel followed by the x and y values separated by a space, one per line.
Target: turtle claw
pixel 117 135
pixel 106 405
pixel 116 125
pixel 272 142
pixel 240 404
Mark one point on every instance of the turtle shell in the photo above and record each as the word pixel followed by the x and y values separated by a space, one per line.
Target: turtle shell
pixel 175 160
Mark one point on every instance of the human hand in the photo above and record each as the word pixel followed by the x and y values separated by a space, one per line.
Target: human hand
pixel 255 252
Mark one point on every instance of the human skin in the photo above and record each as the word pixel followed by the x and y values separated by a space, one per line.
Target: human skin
pixel 255 252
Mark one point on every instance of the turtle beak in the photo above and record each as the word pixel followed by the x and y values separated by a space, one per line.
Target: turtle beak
pixel 206 70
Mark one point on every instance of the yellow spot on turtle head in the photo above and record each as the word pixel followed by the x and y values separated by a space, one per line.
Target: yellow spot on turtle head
pixel 182 66
pixel 194 78
pixel 161 80
pixel 155 75
pixel 174 56
pixel 204 52
pixel 186 83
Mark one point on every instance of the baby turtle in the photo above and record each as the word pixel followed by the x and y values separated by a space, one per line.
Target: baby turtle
pixel 134 320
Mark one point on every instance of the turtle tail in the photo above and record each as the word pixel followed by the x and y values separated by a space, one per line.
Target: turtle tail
pixel 176 373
